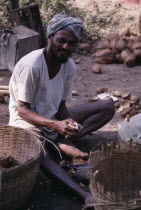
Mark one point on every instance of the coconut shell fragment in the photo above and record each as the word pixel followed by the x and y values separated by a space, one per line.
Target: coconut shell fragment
pixel 96 68
pixel 116 93
pixel 125 104
pixel 74 93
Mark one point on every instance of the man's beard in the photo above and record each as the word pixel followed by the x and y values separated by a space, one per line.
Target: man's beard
pixel 60 59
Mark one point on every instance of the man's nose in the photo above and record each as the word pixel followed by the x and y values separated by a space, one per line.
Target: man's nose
pixel 66 46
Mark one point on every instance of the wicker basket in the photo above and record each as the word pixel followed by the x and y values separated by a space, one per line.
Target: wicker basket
pixel 115 180
pixel 18 181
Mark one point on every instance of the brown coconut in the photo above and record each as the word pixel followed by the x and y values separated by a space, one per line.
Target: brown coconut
pixel 101 90
pixel 96 68
pixel 121 44
pixel 105 56
pixel 85 47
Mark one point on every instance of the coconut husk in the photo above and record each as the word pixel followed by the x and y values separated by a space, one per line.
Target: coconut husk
pixel 116 93
pixel 101 90
pixel 105 56
pixel 85 47
pixel 134 100
pixel 126 94
pixel 125 104
pixel 99 46
pixel 92 98
pixel 117 105
pixel 113 43
pixel 126 111
pixel 96 68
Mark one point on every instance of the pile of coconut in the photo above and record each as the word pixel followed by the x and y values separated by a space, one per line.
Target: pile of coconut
pixel 120 48
pixel 127 104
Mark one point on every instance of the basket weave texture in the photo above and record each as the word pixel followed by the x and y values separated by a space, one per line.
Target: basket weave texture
pixel 115 177
pixel 18 181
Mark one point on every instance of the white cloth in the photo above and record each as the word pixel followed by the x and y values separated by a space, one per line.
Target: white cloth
pixel 30 83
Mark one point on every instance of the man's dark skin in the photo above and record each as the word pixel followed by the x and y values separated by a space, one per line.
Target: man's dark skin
pixel 59 48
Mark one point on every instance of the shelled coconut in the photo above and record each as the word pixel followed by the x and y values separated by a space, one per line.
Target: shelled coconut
pixel 120 48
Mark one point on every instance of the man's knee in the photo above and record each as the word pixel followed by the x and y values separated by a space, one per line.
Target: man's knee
pixel 109 108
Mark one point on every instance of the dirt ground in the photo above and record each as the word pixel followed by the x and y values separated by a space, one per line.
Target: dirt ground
pixel 47 194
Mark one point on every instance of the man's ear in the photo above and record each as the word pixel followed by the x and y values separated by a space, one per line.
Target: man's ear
pixel 50 39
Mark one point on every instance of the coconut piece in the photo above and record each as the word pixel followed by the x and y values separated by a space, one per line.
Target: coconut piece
pixel 126 94
pixel 130 60
pixel 134 100
pixel 120 109
pixel 74 93
pixel 126 111
pixel 96 68
pixel 105 56
pixel 92 98
pixel 85 47
pixel 117 105
pixel 125 104
pixel 101 90
pixel 116 93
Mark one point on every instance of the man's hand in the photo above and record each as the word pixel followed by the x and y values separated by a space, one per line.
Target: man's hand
pixel 63 127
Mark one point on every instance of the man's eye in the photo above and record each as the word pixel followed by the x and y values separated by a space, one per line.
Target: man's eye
pixel 61 41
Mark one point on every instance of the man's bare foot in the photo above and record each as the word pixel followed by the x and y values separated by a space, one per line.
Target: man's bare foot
pixel 72 151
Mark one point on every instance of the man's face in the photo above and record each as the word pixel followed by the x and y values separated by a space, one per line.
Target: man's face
pixel 63 44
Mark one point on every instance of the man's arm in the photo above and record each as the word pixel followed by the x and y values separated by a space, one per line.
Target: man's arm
pixel 34 118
